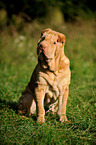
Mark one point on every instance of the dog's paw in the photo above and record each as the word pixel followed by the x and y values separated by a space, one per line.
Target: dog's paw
pixel 63 119
pixel 40 119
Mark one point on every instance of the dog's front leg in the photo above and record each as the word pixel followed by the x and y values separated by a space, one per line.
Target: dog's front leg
pixel 40 94
pixel 62 104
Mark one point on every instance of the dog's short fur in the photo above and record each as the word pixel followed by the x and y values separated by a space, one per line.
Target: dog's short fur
pixel 49 85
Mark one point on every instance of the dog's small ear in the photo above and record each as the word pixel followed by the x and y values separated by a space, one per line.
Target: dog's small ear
pixel 61 38
pixel 44 31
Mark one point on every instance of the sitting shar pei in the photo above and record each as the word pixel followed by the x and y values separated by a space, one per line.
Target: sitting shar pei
pixel 49 85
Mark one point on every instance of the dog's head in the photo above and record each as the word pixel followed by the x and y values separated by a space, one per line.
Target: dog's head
pixel 50 45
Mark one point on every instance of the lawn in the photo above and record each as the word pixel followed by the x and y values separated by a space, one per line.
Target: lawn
pixel 17 61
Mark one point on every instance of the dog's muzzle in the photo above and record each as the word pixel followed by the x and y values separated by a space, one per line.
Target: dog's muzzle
pixel 41 54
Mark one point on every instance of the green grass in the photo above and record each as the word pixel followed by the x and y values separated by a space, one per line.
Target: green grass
pixel 17 61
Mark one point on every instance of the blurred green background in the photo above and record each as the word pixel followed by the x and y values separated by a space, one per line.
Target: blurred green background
pixel 21 23
pixel 29 10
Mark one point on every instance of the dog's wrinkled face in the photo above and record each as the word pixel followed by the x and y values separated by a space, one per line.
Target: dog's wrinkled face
pixel 48 44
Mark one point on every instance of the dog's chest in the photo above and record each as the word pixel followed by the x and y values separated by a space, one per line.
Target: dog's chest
pixel 52 92
pixel 53 88
pixel 54 82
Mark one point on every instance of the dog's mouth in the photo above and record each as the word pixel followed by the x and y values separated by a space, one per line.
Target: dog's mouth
pixel 44 58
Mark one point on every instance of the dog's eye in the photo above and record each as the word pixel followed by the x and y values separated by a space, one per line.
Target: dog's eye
pixel 54 42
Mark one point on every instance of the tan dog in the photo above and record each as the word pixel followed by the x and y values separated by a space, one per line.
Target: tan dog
pixel 49 84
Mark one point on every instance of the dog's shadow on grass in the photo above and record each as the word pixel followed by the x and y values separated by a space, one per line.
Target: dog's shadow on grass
pixel 10 105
